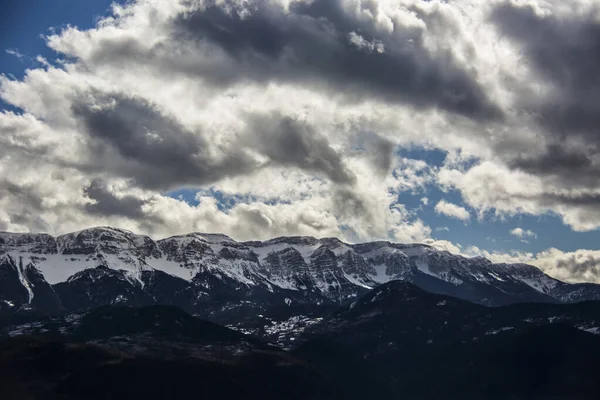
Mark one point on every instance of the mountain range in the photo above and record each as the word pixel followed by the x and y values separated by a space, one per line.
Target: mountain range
pixel 50 274
pixel 291 317
pixel 272 289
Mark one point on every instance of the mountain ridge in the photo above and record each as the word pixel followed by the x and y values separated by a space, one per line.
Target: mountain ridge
pixel 214 276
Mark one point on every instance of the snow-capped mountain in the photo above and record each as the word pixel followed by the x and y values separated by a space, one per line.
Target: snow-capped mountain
pixel 214 275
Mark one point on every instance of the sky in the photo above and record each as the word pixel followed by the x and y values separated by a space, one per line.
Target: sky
pixel 469 125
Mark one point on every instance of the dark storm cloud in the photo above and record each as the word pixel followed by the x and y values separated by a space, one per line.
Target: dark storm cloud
pixel 311 45
pixel 587 204
pixel 378 150
pixel 565 52
pixel 587 200
pixel 591 200
pixel 25 195
pixel 30 204
pixel 560 161
pixel 348 204
pixel 381 152
pixel 105 203
pixel 133 139
pixel 290 142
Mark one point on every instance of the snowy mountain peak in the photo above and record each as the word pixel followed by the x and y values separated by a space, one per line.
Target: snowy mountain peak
pixel 290 240
pixel 305 268
pixel 205 237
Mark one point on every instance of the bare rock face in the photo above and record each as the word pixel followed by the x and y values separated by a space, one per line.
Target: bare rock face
pixel 33 243
pixel 185 249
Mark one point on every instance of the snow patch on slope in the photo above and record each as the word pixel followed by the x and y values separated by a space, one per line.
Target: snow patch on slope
pixel 305 251
pixel 24 281
pixel 172 268
pixel 357 282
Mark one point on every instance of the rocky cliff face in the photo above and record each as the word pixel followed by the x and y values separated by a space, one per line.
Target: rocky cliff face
pixel 213 275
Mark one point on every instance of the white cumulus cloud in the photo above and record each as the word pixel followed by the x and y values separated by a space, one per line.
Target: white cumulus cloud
pixel 523 233
pixel 452 210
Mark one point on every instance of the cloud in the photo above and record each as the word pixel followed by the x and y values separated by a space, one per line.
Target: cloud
pixel 134 139
pixel 569 65
pixel 523 233
pixel 16 53
pixel 413 175
pixel 444 245
pixel 491 188
pixel 379 150
pixel 105 203
pixel 289 142
pixel 575 267
pixel 316 43
pixel 296 109
pixel 452 210
pixel 560 46
pixel 556 160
